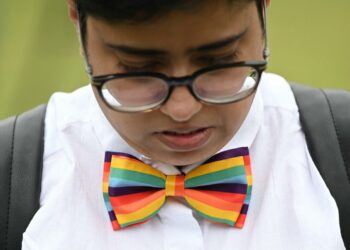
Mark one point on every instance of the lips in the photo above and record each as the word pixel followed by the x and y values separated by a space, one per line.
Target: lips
pixel 185 139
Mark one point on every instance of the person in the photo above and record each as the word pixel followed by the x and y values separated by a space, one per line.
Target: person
pixel 174 83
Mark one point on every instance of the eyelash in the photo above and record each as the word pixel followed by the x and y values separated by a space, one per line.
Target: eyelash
pixel 128 68
pixel 208 61
pixel 203 61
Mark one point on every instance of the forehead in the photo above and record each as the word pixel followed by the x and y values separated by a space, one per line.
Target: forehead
pixel 179 29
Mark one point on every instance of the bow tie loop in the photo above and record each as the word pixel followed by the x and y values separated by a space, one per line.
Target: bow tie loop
pixel 175 185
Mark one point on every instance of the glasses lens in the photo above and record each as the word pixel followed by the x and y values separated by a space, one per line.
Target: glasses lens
pixel 227 84
pixel 134 93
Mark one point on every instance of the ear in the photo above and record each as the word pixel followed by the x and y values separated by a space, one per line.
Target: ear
pixel 72 11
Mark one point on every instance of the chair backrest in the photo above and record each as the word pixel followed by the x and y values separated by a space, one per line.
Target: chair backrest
pixel 21 161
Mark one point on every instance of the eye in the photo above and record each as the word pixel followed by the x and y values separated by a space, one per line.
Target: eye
pixel 128 67
pixel 217 59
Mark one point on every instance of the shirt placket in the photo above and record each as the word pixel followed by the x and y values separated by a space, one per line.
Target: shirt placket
pixel 181 230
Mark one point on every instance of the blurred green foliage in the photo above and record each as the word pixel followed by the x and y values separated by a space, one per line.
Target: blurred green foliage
pixel 39 50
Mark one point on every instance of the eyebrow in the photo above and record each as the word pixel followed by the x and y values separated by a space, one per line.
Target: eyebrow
pixel 219 44
pixel 148 52
pixel 136 51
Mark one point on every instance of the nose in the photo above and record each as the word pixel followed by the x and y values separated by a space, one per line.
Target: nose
pixel 181 105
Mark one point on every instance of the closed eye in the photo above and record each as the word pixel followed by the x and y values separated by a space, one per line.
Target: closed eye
pixel 138 68
pixel 214 60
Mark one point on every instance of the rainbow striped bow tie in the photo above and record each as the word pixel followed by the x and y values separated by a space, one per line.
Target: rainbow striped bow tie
pixel 219 189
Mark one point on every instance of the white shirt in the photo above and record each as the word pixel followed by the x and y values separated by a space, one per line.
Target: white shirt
pixel 290 208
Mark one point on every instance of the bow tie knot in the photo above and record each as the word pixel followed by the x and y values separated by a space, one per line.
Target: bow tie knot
pixel 175 185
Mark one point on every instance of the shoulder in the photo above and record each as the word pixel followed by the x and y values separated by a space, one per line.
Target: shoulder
pixel 71 107
pixel 63 110
pixel 281 118
pixel 277 93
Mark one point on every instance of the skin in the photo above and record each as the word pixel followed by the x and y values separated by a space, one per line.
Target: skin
pixel 177 35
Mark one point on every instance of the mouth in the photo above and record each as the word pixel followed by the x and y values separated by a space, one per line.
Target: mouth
pixel 185 140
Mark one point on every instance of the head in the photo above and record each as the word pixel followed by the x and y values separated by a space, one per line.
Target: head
pixel 176 39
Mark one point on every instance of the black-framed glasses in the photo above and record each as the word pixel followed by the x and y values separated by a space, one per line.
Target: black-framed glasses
pixel 146 91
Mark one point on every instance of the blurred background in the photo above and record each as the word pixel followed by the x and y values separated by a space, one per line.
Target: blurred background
pixel 39 51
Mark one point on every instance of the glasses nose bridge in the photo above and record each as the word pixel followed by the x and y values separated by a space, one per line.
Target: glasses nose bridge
pixel 186 81
pixel 181 81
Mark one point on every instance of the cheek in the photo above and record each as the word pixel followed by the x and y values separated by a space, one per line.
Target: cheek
pixel 129 126
pixel 125 124
pixel 234 115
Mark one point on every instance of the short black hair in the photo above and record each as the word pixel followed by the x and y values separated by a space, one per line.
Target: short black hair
pixel 138 11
